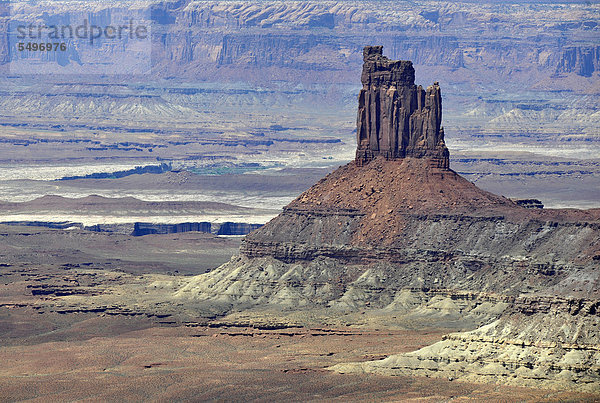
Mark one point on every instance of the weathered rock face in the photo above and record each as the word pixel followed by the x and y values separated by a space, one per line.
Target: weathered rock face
pixel 545 342
pixel 236 228
pixel 396 118
pixel 583 61
pixel 142 228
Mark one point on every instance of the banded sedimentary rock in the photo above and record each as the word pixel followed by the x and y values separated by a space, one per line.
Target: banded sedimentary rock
pixel 396 118
pixel 397 231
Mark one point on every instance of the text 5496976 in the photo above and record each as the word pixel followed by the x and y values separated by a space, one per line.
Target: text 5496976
pixel 42 47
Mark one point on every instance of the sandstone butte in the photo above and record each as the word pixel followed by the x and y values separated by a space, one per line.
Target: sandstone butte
pixel 397 233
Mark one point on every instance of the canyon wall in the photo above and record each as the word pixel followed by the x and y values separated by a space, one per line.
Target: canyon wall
pixel 322 41
pixel 141 228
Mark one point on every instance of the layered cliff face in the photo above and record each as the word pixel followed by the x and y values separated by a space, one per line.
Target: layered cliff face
pixel 364 235
pixel 194 38
pixel 537 342
pixel 484 39
pixel 583 61
pixel 396 118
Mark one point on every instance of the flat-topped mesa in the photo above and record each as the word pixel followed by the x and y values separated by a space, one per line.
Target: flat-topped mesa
pixel 396 118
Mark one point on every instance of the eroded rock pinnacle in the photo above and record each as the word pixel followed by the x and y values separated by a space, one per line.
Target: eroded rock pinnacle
pixel 396 118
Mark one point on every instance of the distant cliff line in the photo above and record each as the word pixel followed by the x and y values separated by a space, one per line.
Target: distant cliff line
pixel 148 169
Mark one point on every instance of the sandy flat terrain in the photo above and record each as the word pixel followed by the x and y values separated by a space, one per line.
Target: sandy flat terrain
pixel 228 363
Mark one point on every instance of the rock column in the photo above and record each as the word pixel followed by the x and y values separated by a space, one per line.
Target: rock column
pixel 397 119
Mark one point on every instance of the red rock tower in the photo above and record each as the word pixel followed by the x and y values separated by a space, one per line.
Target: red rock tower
pixel 396 118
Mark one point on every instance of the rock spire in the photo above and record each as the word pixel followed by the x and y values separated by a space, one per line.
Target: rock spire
pixel 396 118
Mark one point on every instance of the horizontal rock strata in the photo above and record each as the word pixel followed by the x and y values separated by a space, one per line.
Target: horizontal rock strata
pixel 398 233
pixel 539 342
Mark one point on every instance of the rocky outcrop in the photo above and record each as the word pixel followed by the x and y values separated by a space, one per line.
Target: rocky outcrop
pixel 398 232
pixel 46 224
pixel 121 228
pixel 538 342
pixel 581 60
pixel 529 203
pixel 236 228
pixel 396 118
pixel 226 228
pixel 139 170
pixel 141 228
